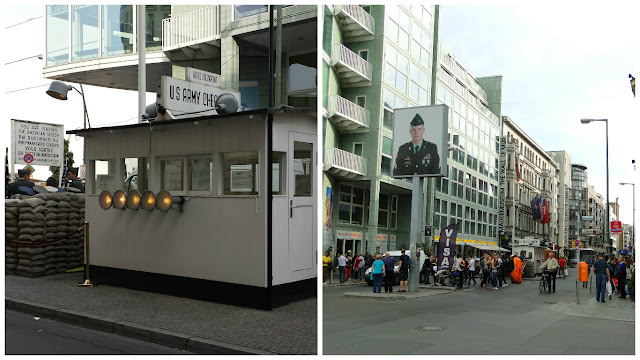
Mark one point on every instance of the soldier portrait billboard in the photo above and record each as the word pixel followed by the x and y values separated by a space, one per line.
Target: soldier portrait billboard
pixel 420 137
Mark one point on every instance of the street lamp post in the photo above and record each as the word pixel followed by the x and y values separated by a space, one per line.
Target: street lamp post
pixel 605 228
pixel 58 90
pixel 633 235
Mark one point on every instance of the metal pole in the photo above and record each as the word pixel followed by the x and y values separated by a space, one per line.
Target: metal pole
pixel 142 66
pixel 270 163
pixel 607 226
pixel 417 207
pixel 578 262
pixel 87 281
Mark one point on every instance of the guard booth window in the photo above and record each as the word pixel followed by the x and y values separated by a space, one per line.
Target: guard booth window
pixel 241 173
pixel 135 174
pixel 104 176
pixel 303 169
pixel 172 178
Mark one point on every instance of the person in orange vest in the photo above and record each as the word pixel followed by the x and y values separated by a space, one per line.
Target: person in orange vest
pixel 516 274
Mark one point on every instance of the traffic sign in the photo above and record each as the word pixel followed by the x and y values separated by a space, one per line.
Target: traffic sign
pixel 30 168
pixel 28 158
pixel 577 244
pixel 83 171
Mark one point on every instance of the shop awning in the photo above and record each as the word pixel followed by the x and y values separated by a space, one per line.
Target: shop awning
pixel 489 247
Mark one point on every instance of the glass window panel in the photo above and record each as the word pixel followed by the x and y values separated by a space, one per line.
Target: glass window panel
pixel 172 175
pixel 389 99
pixel 240 170
pixel 344 213
pixel 85 32
pixel 400 102
pixel 403 40
pixel 386 145
pixel 155 15
pixel 135 174
pixel 392 31
pixel 104 176
pixel 404 20
pixel 403 63
pixel 385 165
pixel 414 91
pixel 384 202
pixel 57 34
pixel 201 175
pixel 357 215
pixel 388 119
pixel 401 82
pixel 358 196
pixel 117 29
pixel 242 11
pixel 302 168
pixel 390 74
pixel 345 193
pixel 327 30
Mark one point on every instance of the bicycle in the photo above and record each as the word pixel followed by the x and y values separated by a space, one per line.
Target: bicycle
pixel 545 283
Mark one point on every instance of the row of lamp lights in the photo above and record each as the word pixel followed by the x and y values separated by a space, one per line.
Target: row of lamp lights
pixel 133 200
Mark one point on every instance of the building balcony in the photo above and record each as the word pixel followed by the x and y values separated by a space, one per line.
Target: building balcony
pixel 344 164
pixel 347 116
pixel 356 24
pixel 352 69
pixel 194 34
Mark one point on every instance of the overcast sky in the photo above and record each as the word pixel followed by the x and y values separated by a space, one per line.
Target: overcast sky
pixel 561 62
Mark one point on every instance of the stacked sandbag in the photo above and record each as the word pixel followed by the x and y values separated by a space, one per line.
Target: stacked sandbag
pixel 31 224
pixel 75 243
pixel 11 231
pixel 51 234
pixel 529 270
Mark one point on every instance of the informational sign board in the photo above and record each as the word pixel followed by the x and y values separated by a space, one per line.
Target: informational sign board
pixel 37 143
pixel 420 137
pixel 185 97
pixel 203 77
pixel 502 183
pixel 446 246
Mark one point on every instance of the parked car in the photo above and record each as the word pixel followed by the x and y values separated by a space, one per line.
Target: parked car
pixel 396 268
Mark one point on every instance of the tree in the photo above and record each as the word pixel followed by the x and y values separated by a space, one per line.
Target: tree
pixel 68 155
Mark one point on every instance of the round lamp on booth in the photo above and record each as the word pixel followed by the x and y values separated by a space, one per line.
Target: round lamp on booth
pixel 164 200
pixel 105 200
pixel 148 200
pixel 133 200
pixel 119 200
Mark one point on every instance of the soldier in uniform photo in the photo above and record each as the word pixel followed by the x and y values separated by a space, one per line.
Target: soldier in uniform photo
pixel 418 156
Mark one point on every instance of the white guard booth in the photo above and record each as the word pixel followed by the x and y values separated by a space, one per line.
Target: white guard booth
pixel 212 243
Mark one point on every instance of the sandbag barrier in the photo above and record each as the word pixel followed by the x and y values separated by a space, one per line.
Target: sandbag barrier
pixel 44 234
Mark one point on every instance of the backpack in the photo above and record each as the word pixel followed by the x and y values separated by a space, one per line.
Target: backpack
pixel 406 261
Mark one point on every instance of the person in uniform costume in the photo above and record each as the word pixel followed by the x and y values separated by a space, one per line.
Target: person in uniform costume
pixel 418 156
pixel 24 180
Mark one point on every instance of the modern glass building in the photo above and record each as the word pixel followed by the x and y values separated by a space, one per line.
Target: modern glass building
pixel 98 45
pixel 376 59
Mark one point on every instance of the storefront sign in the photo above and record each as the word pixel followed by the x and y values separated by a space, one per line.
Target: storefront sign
pixel 467 241
pixel 616 227
pixel 566 212
pixel 349 235
pixel 481 242
pixel 203 77
pixel 37 143
pixel 502 177
pixel 185 97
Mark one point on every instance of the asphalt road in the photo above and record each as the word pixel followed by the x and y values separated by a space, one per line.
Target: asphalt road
pixel 515 320
pixel 26 335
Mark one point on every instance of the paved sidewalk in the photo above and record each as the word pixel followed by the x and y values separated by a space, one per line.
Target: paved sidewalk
pixel 193 325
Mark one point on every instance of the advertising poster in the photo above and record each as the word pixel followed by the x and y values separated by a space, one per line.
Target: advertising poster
pixel 420 141
pixel 327 233
pixel 446 245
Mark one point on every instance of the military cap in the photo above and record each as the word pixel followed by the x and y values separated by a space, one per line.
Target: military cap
pixel 417 120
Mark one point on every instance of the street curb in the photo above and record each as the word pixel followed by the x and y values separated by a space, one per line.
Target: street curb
pixel 128 329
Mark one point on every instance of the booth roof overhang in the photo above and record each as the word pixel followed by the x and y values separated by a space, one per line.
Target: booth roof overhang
pixel 313 112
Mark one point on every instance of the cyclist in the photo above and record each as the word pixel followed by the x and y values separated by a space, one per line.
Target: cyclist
pixel 550 266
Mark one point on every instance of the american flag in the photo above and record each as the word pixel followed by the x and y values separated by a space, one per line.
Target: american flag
pixel 517 169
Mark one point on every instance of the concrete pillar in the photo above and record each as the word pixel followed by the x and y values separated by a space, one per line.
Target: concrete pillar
pixel 230 64
pixel 372 229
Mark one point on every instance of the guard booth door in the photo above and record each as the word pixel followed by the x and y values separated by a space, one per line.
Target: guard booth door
pixel 302 200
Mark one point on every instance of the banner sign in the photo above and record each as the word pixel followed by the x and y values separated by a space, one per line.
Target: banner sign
pixel 616 227
pixel 37 143
pixel 186 97
pixel 566 212
pixel 349 235
pixel 502 183
pixel 446 246
pixel 420 136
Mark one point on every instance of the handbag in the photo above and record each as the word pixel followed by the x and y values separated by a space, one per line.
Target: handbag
pixel 615 281
pixel 609 289
pixel 566 272
pixel 371 275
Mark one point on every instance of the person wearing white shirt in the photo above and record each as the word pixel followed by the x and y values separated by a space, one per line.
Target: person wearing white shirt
pixel 342 266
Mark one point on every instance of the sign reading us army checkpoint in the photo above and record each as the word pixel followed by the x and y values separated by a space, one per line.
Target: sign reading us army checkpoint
pixel 187 97
pixel 37 143
pixel 420 141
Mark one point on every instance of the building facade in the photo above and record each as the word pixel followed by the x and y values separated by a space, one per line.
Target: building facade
pixel 376 59
pixel 531 174
pixel 563 160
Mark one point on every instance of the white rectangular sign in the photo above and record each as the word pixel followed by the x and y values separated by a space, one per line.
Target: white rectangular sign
pixel 203 77
pixel 37 143
pixel 185 97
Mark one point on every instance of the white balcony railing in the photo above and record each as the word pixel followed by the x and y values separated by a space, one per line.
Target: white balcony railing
pixel 359 67
pixel 356 22
pixel 190 28
pixel 344 164
pixel 348 115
